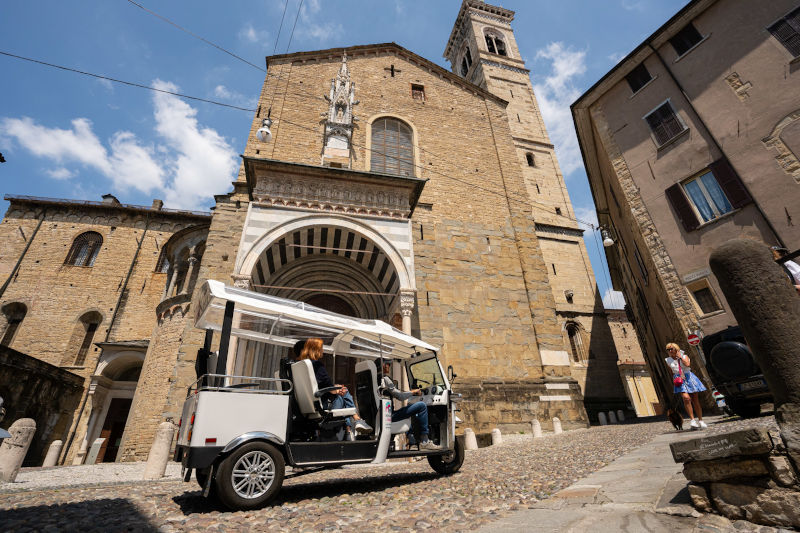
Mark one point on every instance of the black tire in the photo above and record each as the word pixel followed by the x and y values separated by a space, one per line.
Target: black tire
pixel 745 409
pixel 239 490
pixel 449 463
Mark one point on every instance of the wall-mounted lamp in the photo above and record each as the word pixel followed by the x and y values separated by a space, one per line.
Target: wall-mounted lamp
pixel 264 133
pixel 607 240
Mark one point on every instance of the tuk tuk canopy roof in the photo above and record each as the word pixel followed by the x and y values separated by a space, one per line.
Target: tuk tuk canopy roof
pixel 264 318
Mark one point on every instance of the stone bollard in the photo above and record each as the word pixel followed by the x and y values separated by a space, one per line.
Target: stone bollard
pixel 556 425
pixel 767 308
pixel 52 453
pixel 612 418
pixel 497 437
pixel 620 415
pixel 536 428
pixel 601 417
pixel 470 442
pixel 159 452
pixel 13 450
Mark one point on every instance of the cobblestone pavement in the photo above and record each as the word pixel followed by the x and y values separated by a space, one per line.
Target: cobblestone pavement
pixel 393 497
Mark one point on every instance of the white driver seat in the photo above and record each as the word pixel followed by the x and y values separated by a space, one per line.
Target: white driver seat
pixel 308 396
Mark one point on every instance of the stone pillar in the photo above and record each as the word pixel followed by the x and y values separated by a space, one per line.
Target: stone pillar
pixel 536 428
pixel 470 442
pixel 612 418
pixel 767 308
pixel 13 449
pixel 407 298
pixel 497 437
pixel 52 453
pixel 557 426
pixel 620 415
pixel 173 278
pixel 188 280
pixel 601 417
pixel 159 452
pixel 98 390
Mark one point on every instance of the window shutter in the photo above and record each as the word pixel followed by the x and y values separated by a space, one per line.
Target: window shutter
pixel 682 207
pixel 730 183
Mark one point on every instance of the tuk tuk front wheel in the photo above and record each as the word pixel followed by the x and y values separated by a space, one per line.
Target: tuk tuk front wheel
pixel 449 463
pixel 250 476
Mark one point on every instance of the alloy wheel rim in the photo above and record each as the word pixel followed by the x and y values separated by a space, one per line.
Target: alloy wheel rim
pixel 253 474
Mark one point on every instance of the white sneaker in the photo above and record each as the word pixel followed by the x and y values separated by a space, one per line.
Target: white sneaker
pixel 428 445
pixel 350 437
pixel 363 427
pixel 703 425
pixel 693 424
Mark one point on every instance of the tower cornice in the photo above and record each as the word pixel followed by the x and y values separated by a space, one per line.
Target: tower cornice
pixel 497 13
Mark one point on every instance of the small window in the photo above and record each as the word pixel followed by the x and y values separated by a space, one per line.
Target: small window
pixel 684 40
pixel 162 267
pixel 558 210
pixel 418 92
pixel 466 61
pixel 531 160
pixel 787 31
pixel 84 249
pixel 704 297
pixel 707 196
pixel 576 343
pixel 638 77
pixel 490 44
pixel 664 123
pixel 82 338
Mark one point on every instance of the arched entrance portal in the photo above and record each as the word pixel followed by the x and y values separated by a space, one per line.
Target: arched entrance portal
pixel 336 266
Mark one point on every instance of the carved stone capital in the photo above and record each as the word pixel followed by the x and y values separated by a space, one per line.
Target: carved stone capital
pixel 241 281
pixel 407 299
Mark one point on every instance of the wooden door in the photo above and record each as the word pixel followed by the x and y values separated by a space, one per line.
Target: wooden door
pixel 113 427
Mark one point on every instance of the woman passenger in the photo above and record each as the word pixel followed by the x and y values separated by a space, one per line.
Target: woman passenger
pixel 337 399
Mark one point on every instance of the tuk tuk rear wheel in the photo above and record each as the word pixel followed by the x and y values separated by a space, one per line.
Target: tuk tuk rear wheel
pixel 449 463
pixel 250 476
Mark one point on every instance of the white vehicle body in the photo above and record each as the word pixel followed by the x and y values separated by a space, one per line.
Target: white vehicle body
pixel 239 431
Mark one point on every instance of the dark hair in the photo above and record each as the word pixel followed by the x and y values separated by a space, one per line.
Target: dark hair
pixel 297 349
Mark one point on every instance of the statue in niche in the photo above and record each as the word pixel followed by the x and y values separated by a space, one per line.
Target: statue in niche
pixel 339 117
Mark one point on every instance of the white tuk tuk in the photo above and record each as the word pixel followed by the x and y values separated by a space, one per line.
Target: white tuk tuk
pixel 245 419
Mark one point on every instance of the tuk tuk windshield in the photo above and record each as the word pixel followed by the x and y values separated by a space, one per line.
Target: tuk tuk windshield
pixel 426 374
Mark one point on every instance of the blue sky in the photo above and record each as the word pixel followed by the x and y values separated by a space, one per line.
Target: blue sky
pixel 70 136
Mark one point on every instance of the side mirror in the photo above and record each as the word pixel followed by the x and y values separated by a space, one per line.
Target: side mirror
pixel 450 374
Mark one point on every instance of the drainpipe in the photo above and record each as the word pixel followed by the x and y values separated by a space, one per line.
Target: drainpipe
pixel 108 335
pixel 714 140
pixel 22 255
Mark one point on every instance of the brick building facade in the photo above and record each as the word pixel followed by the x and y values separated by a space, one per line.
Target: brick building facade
pixel 393 189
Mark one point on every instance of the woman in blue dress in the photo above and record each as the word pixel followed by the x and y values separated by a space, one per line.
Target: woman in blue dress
pixel 690 384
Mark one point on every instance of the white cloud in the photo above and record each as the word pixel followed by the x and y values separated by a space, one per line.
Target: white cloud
pixel 312 29
pixel 187 166
pixel 106 83
pixel 220 91
pixel 60 173
pixel 616 57
pixel 634 5
pixel 204 162
pixel 251 35
pixel 555 93
pixel 613 299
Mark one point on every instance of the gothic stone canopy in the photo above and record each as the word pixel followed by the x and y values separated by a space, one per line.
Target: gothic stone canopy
pixel 342 191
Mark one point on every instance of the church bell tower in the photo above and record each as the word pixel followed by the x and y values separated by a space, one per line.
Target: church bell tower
pixel 483 50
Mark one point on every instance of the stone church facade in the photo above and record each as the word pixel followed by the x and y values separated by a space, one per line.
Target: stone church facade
pixel 391 188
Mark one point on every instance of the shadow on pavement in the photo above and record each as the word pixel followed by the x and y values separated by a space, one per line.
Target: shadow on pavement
pixel 115 514
pixel 193 502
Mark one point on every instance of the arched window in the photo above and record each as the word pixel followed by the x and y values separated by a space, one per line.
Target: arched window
pixel 531 159
pixel 495 44
pixel 14 314
pixel 466 61
pixel 82 337
pixel 392 147
pixel 162 267
pixel 576 343
pixel 84 249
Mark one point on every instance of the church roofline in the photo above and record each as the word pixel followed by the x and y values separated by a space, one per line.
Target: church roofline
pixel 360 50
pixel 65 202
pixel 412 182
pixel 501 12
